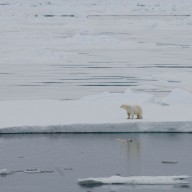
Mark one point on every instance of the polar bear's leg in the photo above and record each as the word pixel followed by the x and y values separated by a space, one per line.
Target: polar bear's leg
pixel 132 114
pixel 139 116
pixel 128 114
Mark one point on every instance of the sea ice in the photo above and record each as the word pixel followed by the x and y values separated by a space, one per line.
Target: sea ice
pixel 98 113
pixel 136 180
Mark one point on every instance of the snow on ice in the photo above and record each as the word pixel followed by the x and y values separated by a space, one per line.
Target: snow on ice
pixel 98 113
pixel 46 37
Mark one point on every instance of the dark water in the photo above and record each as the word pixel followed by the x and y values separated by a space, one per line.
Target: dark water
pixel 72 156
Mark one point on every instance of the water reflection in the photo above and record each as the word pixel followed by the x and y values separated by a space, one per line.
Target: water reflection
pixel 132 152
pixel 132 147
pixel 76 156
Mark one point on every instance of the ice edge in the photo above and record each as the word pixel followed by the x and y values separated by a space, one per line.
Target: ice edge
pixel 133 127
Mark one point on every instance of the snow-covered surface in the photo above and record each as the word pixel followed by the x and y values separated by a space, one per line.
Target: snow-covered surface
pixel 63 49
pixel 136 180
pixel 91 51
pixel 99 113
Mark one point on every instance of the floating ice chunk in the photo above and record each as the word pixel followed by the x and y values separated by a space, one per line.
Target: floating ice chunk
pixel 37 171
pixel 136 180
pixel 33 171
pixel 124 140
pixel 4 172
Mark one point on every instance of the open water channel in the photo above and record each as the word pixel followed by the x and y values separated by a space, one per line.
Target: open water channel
pixel 64 158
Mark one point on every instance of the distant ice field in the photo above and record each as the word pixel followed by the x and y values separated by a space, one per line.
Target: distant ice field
pixel 71 49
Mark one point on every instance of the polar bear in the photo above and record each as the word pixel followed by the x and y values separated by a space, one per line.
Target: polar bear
pixel 133 110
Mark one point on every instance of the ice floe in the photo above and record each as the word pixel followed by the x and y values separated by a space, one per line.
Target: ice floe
pixel 98 113
pixel 4 172
pixel 136 180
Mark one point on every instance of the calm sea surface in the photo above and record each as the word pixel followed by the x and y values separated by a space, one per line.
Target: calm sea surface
pixel 67 157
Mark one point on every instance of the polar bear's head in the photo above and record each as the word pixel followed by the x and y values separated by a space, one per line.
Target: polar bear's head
pixel 124 106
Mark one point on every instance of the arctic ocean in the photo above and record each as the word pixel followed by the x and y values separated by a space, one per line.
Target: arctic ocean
pixel 66 67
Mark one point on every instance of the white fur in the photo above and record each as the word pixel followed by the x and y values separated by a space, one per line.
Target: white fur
pixel 133 110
